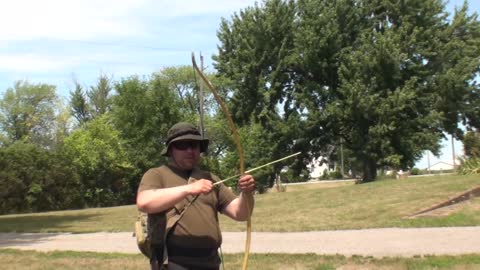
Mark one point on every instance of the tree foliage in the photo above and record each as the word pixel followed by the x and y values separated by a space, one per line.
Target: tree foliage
pixel 28 112
pixel 387 77
pixel 35 179
pixel 79 106
pixel 470 163
pixel 383 79
pixel 143 111
pixel 181 80
pixel 99 96
pixel 98 155
pixel 255 56
pixel 471 144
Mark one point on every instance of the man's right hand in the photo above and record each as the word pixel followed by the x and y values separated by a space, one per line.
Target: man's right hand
pixel 201 186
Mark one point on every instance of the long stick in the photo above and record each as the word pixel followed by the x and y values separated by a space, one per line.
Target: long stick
pixel 256 168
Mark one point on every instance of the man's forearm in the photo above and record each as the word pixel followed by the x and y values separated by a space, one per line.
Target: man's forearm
pixel 240 208
pixel 159 200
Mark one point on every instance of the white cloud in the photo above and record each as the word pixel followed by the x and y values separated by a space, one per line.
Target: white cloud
pixel 183 8
pixel 45 63
pixel 30 62
pixel 73 19
pixel 90 19
pixel 49 39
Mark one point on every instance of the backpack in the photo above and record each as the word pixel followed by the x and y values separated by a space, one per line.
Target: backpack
pixel 146 235
pixel 141 234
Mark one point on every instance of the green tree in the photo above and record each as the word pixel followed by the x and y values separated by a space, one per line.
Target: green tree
pixel 36 179
pixel 471 144
pixel 470 164
pixel 186 84
pixel 98 153
pixel 143 111
pixel 99 96
pixel 455 81
pixel 182 80
pixel 385 76
pixel 79 106
pixel 255 60
pixel 29 111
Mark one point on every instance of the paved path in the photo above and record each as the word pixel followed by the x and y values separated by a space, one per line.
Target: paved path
pixel 371 242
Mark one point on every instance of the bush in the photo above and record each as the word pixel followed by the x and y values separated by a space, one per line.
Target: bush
pixel 469 166
pixel 99 156
pixel 335 175
pixel 415 171
pixel 325 175
pixel 471 143
pixel 35 179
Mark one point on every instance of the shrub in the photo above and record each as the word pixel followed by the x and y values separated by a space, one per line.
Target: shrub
pixel 325 175
pixel 415 171
pixel 469 166
pixel 35 179
pixel 335 175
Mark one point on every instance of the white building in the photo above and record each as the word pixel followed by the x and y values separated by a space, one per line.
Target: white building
pixel 317 167
pixel 441 166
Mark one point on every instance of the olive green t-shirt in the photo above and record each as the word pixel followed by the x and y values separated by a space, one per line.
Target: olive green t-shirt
pixel 198 228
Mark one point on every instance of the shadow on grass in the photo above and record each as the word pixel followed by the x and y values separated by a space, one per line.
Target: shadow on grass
pixel 42 223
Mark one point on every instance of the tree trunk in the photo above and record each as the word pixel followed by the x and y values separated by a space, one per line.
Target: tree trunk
pixel 369 170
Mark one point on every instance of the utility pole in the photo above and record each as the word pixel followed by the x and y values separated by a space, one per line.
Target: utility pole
pixel 428 161
pixel 341 156
pixel 453 154
pixel 200 99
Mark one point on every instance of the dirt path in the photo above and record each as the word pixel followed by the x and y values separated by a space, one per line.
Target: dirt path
pixel 371 242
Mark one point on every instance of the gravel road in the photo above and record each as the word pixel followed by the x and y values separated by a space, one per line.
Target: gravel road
pixel 371 242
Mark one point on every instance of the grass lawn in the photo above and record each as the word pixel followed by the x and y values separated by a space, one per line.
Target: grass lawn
pixel 309 207
pixel 15 259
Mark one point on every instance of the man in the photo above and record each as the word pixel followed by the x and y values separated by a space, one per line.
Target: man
pixel 164 192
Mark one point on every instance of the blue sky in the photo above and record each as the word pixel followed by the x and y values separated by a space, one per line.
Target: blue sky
pixel 56 41
pixel 59 41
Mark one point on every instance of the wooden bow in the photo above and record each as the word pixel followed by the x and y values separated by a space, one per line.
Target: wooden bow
pixel 239 147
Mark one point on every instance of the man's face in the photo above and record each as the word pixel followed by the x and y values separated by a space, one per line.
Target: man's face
pixel 185 154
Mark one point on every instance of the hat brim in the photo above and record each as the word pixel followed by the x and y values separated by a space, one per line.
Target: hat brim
pixel 193 137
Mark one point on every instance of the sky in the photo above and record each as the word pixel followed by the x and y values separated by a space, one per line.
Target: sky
pixel 62 41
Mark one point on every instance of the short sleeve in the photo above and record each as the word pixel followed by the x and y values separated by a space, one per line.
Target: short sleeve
pixel 150 180
pixel 225 196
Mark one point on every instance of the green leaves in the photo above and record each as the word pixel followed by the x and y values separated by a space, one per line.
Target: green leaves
pixel 389 78
pixel 471 144
pixel 36 179
pixel 79 106
pixel 143 111
pixel 99 156
pixel 28 112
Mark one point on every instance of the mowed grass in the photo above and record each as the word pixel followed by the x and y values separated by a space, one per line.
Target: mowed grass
pixel 16 259
pixel 309 207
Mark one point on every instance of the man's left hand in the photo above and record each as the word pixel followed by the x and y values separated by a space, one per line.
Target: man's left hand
pixel 246 183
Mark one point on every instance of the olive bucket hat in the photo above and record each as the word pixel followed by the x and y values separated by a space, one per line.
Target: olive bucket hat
pixel 184 131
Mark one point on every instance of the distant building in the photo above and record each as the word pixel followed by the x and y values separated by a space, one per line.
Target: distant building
pixel 441 166
pixel 317 167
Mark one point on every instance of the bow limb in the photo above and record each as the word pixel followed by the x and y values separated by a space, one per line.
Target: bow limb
pixel 239 147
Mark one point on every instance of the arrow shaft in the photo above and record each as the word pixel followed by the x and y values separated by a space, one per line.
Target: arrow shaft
pixel 257 168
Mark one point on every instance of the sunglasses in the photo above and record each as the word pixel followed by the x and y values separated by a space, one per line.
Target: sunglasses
pixel 184 145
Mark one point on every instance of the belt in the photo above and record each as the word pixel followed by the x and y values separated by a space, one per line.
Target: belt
pixel 176 251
